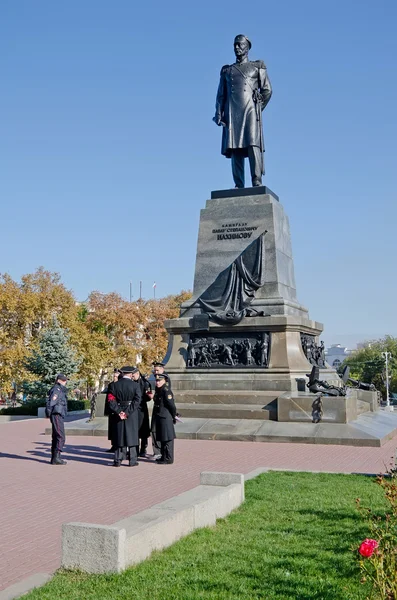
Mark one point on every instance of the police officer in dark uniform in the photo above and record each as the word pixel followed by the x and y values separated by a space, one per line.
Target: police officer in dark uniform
pixel 158 369
pixel 143 413
pixel 56 410
pixel 112 417
pixel 165 416
pixel 124 401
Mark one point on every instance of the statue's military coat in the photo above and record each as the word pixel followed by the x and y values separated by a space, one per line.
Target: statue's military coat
pixel 125 396
pixel 164 413
pixel 236 107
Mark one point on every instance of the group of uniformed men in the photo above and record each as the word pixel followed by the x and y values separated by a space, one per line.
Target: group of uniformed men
pixel 126 405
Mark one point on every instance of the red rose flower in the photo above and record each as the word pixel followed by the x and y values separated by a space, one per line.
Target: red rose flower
pixel 368 547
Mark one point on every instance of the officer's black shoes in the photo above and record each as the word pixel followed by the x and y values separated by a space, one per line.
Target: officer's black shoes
pixel 112 449
pixel 143 453
pixel 117 463
pixel 164 462
pixel 134 464
pixel 57 460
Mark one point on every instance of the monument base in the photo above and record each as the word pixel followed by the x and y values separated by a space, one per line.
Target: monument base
pixel 369 429
pixel 286 364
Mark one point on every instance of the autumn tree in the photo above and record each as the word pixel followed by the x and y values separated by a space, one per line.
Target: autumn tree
pixel 107 331
pixel 155 334
pixel 25 309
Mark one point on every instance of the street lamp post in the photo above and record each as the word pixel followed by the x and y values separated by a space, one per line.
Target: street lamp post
pixel 387 357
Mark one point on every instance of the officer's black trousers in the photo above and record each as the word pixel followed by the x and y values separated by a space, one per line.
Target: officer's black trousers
pixel 167 451
pixel 255 157
pixel 58 433
pixel 155 444
pixel 122 452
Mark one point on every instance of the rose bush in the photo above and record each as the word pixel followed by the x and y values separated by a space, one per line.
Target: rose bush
pixel 368 547
pixel 378 554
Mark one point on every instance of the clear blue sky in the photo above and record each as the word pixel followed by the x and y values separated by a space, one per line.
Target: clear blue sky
pixel 108 151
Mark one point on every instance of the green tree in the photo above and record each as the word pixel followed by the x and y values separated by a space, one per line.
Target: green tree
pixel 367 364
pixel 54 355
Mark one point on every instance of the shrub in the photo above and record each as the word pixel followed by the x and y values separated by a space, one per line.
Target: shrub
pixel 378 554
pixel 30 407
pixel 78 404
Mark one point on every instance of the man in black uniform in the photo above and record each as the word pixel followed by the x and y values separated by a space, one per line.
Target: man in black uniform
pixel 158 369
pixel 56 410
pixel 164 414
pixel 112 417
pixel 143 412
pixel 124 401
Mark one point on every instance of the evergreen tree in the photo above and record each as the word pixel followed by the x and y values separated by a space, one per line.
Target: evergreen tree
pixel 54 355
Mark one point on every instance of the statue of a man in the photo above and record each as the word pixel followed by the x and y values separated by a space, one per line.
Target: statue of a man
pixel 244 91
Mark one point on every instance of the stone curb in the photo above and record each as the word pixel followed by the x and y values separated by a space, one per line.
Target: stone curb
pixel 13 418
pixel 104 549
pixel 25 586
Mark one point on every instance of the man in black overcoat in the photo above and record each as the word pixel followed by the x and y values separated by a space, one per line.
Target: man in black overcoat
pixel 164 416
pixel 112 417
pixel 158 369
pixel 143 411
pixel 124 401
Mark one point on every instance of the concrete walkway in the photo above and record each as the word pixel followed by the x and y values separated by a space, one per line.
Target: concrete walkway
pixel 36 498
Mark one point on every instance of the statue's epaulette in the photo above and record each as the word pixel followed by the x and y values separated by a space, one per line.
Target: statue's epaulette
pixel 224 68
pixel 259 63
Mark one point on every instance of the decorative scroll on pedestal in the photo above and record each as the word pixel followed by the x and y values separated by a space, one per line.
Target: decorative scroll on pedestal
pixel 227 300
pixel 244 349
pixel 314 354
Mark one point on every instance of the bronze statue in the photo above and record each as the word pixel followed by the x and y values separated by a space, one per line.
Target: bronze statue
pixel 360 385
pixel 244 91
pixel 247 349
pixel 316 386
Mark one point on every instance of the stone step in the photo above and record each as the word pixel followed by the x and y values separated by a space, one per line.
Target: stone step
pixel 260 398
pixel 228 411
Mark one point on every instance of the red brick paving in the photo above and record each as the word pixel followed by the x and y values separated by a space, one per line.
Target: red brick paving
pixel 36 498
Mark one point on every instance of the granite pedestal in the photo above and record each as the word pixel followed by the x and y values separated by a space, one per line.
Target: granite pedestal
pixel 229 223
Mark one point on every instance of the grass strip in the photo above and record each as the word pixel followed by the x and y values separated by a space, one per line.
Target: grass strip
pixel 291 539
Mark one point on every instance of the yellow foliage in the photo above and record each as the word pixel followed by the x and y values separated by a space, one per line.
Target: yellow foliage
pixel 107 331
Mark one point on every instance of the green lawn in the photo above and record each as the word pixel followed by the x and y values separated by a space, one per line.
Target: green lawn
pixel 291 539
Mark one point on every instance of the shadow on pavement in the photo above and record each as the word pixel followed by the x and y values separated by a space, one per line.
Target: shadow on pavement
pixel 22 457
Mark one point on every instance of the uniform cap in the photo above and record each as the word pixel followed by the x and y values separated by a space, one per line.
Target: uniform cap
pixel 62 377
pixel 129 370
pixel 245 37
pixel 158 364
pixel 162 376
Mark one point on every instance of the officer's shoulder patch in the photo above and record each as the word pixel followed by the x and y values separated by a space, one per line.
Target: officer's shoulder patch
pixel 54 396
pixel 224 68
pixel 169 396
pixel 260 64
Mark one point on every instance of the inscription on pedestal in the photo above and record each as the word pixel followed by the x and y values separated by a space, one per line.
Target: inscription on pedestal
pixel 244 349
pixel 234 231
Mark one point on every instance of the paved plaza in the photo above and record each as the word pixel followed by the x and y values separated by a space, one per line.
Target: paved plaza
pixel 36 498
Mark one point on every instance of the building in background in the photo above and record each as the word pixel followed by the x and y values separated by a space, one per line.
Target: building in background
pixel 336 354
